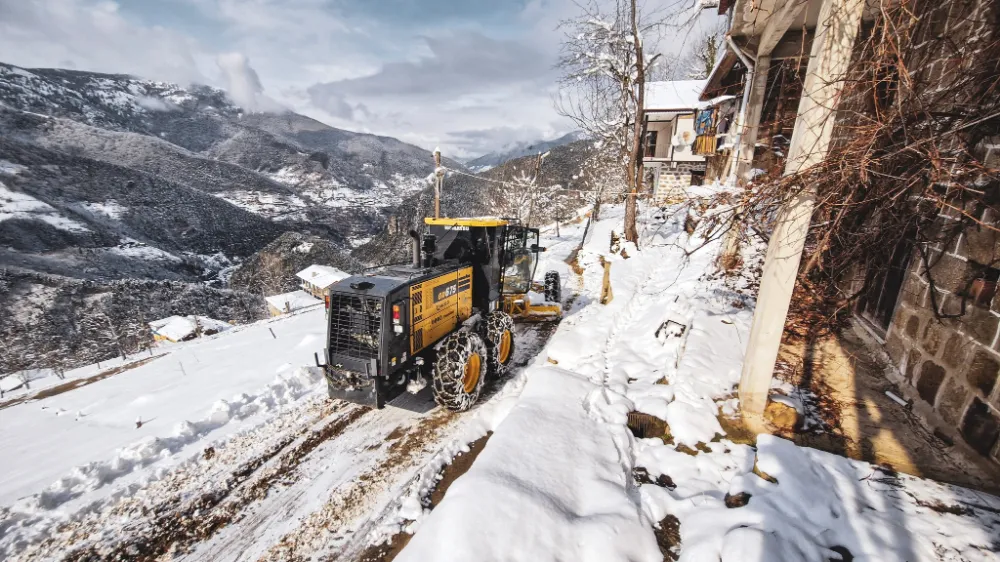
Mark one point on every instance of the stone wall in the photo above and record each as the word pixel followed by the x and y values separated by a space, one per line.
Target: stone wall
pixel 952 358
pixel 672 184
pixel 945 343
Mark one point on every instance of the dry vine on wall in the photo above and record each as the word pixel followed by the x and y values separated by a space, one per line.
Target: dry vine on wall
pixel 905 177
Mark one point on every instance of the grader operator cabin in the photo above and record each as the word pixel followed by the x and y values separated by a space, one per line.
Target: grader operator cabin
pixel 447 316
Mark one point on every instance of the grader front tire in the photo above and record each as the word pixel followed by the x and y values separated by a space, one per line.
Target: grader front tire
pixel 500 340
pixel 553 287
pixel 460 371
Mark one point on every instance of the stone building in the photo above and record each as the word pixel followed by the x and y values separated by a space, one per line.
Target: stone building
pixel 669 158
pixel 951 359
pixel 934 306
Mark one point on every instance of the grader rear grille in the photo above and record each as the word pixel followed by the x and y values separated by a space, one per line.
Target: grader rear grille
pixel 355 326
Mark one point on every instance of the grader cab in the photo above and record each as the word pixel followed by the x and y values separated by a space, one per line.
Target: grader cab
pixel 448 316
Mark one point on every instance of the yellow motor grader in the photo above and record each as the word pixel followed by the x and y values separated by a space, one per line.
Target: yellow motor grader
pixel 448 316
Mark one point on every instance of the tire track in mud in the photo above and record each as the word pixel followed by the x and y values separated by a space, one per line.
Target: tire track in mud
pixel 359 546
pixel 313 535
pixel 174 525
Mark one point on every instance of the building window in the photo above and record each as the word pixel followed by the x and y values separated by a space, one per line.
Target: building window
pixel 650 144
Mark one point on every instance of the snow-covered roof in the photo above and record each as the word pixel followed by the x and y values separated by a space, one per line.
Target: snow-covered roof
pixel 674 94
pixel 290 302
pixel 321 275
pixel 178 328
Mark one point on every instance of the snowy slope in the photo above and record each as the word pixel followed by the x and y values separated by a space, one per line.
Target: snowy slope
pixel 197 387
pixel 281 166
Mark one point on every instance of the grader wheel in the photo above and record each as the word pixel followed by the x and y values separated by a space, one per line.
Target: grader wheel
pixel 500 341
pixel 553 287
pixel 460 371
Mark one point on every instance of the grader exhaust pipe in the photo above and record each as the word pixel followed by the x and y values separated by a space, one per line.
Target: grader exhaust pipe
pixel 415 248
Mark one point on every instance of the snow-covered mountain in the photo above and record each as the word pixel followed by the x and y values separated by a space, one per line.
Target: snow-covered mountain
pixel 519 150
pixel 285 168
pixel 109 181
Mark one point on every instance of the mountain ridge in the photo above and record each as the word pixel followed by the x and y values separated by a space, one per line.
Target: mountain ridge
pixel 520 150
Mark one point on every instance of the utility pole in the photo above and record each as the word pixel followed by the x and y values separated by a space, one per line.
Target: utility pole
pixel 439 183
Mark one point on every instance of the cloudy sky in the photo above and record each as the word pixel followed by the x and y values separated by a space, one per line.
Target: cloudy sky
pixel 466 75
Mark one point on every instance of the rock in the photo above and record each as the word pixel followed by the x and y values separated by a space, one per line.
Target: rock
pixel 783 416
pixel 737 500
pixel 641 476
pixel 665 481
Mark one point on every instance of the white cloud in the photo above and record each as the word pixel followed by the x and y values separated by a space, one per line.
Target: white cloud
pixel 468 75
pixel 243 84
pixel 156 104
pixel 93 36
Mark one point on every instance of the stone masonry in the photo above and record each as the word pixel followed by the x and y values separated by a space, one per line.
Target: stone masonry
pixel 672 184
pixel 951 356
pixel 953 363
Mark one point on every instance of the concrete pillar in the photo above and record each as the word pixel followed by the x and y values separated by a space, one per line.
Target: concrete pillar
pixel 755 105
pixel 743 156
pixel 829 58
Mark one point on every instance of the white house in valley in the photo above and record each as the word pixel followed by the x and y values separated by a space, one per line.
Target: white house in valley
pixel 316 279
pixel 290 302
pixel 669 153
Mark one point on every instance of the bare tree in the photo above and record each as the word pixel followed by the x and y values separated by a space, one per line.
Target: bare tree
pixel 125 336
pixel 605 61
pixel 523 196
pixel 705 53
pixel 268 275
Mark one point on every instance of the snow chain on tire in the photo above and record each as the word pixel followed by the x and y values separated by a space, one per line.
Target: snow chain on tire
pixel 500 340
pixel 553 287
pixel 457 381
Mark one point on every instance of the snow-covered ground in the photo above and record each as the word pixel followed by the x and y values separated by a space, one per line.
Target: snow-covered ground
pixel 17 205
pixel 563 478
pixel 80 441
pixel 240 456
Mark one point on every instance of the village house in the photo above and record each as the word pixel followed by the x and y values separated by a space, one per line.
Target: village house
pixel 287 303
pixel 183 328
pixel 316 279
pixel 671 159
pixel 782 77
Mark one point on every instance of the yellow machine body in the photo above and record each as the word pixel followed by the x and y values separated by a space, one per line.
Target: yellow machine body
pixel 473 221
pixel 438 305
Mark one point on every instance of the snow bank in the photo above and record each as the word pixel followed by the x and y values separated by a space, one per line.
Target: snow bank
pixel 820 502
pixel 550 485
pixel 76 439
pixel 287 388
